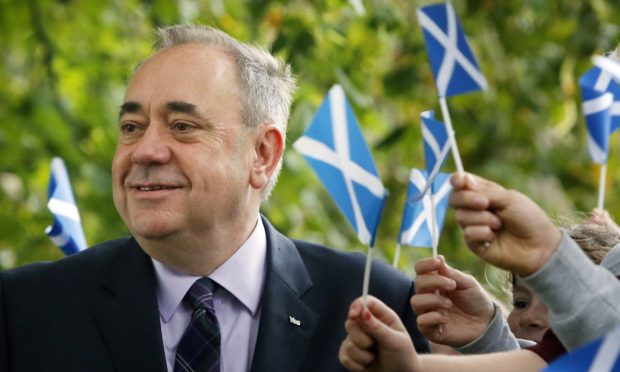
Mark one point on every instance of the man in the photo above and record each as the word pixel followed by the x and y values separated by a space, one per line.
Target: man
pixel 202 132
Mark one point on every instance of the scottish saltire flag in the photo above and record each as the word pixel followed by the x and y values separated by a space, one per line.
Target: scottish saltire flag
pixel 66 232
pixel 602 355
pixel 436 147
pixel 454 65
pixel 600 95
pixel 416 226
pixel 334 147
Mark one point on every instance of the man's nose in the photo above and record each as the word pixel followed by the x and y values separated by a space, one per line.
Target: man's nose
pixel 153 147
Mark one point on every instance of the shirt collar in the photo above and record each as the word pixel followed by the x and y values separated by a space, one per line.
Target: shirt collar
pixel 243 275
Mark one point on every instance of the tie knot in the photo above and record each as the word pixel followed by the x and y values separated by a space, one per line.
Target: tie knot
pixel 200 294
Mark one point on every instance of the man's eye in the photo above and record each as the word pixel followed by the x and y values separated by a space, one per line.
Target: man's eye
pixel 128 128
pixel 182 126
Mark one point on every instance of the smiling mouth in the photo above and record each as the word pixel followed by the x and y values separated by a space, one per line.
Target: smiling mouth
pixel 154 188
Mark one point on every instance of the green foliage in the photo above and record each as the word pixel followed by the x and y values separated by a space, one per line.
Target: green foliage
pixel 66 63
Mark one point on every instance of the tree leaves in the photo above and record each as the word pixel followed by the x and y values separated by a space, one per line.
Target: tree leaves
pixel 65 64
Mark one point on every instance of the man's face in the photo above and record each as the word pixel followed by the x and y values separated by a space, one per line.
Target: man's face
pixel 182 163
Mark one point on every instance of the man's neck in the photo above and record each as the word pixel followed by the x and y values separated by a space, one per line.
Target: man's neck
pixel 202 254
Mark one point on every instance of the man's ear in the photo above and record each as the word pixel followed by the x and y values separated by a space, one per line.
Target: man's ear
pixel 268 150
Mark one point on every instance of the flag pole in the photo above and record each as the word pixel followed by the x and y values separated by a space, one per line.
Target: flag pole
pixel 367 275
pixel 445 114
pixel 434 240
pixel 396 255
pixel 434 233
pixel 601 185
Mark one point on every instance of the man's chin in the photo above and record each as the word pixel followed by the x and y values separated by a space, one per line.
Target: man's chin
pixel 152 231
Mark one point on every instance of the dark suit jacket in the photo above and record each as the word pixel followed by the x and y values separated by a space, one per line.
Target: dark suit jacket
pixel 97 310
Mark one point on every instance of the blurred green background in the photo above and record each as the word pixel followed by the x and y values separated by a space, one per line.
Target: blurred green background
pixel 65 63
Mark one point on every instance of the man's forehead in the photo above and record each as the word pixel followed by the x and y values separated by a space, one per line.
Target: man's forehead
pixel 189 63
pixel 186 78
pixel 189 50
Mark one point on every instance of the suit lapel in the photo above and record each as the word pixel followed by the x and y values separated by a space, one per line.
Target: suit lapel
pixel 287 324
pixel 127 312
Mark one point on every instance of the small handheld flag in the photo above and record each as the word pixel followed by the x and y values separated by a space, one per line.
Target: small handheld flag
pixel 418 228
pixel 422 221
pixel 436 147
pixel 601 107
pixel 66 231
pixel 436 144
pixel 454 65
pixel 601 355
pixel 334 147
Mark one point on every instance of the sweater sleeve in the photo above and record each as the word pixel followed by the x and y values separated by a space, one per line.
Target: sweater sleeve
pixel 583 298
pixel 496 337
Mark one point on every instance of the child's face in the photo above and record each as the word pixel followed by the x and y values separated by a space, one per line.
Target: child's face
pixel 528 319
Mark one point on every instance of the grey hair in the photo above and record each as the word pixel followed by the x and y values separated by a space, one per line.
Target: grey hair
pixel 267 83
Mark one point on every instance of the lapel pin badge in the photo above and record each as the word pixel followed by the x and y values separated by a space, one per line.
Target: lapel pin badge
pixel 292 320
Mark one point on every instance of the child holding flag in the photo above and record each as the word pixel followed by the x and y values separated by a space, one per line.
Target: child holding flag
pixel 521 238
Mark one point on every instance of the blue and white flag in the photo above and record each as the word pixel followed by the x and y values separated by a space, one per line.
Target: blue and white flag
pixel 600 95
pixel 334 147
pixel 602 355
pixel 454 65
pixel 416 226
pixel 66 232
pixel 436 147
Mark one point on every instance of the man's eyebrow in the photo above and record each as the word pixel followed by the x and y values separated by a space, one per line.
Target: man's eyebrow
pixel 184 107
pixel 129 107
pixel 174 106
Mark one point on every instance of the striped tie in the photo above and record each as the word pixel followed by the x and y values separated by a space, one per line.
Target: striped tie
pixel 199 348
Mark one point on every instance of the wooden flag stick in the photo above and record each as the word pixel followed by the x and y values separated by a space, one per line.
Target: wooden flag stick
pixel 445 114
pixel 601 185
pixel 367 275
pixel 396 255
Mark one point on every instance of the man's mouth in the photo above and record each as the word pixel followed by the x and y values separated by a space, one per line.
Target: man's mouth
pixel 154 188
